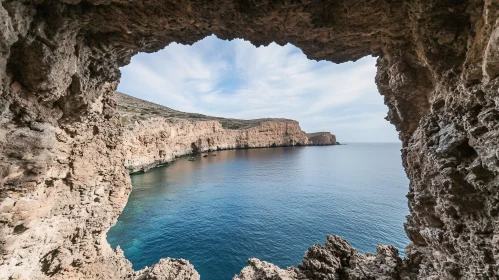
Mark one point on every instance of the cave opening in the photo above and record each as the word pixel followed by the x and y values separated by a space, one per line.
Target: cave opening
pixel 230 83
pixel 61 137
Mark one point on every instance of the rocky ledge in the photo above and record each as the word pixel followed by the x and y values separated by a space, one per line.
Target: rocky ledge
pixel 156 134
pixel 335 260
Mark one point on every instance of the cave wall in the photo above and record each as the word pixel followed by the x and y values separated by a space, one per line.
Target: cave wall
pixel 62 179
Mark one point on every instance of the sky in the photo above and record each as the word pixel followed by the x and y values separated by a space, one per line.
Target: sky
pixel 235 79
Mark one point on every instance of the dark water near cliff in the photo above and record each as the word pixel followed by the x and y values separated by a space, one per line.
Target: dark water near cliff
pixel 270 204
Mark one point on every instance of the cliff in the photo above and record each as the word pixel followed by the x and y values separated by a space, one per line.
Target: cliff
pixel 155 134
pixel 62 177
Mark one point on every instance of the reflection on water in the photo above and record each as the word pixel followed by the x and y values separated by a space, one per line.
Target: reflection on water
pixel 272 204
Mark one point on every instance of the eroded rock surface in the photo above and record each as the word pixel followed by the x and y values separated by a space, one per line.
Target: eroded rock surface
pixel 168 269
pixel 258 269
pixel 155 141
pixel 63 181
pixel 334 260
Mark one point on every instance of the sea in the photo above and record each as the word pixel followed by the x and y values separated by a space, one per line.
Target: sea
pixel 270 203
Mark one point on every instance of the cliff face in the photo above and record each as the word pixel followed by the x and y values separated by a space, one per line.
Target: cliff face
pixel 155 134
pixel 155 141
pixel 62 176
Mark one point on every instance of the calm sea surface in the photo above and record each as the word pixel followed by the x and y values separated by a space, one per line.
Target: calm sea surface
pixel 271 204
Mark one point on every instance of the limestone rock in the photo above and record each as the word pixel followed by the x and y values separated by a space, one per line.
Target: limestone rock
pixel 322 138
pixel 261 270
pixel 168 269
pixel 335 260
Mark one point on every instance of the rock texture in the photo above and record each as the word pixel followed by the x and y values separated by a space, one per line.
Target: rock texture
pixel 155 141
pixel 258 269
pixel 335 260
pixel 62 176
pixel 168 269
pixel 155 134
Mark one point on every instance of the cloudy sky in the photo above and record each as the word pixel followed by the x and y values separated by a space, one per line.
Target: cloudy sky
pixel 238 80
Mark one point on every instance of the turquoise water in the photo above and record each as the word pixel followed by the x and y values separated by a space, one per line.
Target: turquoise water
pixel 271 204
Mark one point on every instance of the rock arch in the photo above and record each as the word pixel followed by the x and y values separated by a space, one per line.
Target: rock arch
pixel 62 177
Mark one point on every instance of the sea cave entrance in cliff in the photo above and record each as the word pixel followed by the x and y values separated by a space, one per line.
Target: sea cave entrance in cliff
pixel 61 140
pixel 209 97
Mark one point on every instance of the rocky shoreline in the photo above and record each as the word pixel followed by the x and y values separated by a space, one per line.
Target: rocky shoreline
pixel 156 134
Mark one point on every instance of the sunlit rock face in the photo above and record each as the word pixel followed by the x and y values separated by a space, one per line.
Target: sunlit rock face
pixel 63 181
pixel 334 260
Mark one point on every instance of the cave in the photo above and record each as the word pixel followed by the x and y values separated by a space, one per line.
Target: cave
pixel 63 183
pixel 194 148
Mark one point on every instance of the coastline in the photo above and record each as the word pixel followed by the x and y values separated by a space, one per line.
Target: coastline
pixel 154 134
pixel 161 164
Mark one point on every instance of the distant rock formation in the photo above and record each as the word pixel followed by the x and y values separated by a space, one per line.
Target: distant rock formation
pixel 156 134
pixel 322 139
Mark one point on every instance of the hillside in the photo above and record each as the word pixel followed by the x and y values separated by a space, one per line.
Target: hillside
pixel 132 108
pixel 156 134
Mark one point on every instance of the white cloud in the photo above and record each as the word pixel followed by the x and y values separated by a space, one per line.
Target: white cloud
pixel 236 79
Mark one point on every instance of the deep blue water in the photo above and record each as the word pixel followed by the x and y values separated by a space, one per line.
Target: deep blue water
pixel 271 204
